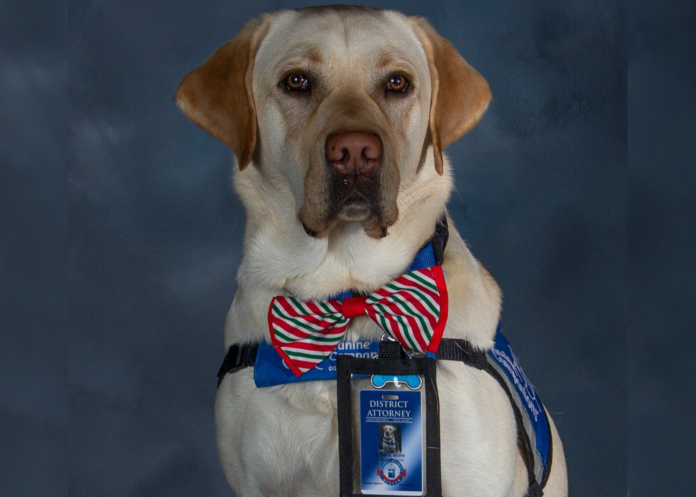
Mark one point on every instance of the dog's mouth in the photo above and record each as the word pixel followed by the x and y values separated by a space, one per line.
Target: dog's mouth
pixel 354 197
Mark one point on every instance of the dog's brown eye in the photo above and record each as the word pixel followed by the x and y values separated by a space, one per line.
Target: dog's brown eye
pixel 296 82
pixel 397 83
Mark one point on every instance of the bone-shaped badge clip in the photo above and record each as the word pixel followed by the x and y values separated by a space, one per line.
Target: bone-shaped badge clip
pixel 412 381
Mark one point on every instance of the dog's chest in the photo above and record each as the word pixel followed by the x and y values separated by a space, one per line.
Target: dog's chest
pixel 296 426
pixel 389 441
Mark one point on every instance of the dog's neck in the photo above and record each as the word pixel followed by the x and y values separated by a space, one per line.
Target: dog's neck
pixel 280 259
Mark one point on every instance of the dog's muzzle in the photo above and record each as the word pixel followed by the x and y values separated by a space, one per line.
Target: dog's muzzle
pixel 354 159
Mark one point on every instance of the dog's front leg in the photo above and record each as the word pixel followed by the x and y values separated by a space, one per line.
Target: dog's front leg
pixel 278 441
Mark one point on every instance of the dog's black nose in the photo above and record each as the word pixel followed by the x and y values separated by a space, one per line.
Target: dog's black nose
pixel 354 152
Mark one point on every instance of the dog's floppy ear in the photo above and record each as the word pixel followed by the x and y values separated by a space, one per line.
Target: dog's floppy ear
pixel 460 95
pixel 217 95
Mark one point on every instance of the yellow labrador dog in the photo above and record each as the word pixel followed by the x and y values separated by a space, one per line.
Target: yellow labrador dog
pixel 338 117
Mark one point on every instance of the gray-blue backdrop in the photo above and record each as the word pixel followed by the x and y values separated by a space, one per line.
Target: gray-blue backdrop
pixel 155 229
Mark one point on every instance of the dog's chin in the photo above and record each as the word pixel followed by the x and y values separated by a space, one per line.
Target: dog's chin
pixel 361 210
pixel 359 206
pixel 355 210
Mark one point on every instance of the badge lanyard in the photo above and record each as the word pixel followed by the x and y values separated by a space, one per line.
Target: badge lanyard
pixel 388 425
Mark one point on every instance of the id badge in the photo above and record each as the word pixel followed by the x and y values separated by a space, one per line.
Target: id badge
pixel 392 435
pixel 388 427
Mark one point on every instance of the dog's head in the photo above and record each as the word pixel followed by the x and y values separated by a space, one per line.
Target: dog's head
pixel 340 103
pixel 389 430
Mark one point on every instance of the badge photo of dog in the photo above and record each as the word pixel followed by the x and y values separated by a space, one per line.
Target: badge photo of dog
pixel 388 441
pixel 339 117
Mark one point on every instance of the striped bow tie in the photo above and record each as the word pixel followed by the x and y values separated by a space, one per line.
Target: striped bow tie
pixel 411 309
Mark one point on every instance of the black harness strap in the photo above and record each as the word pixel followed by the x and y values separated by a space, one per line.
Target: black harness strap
pixel 455 349
pixel 238 357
